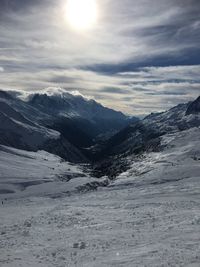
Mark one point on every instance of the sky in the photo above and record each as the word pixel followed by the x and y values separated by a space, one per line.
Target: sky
pixel 140 56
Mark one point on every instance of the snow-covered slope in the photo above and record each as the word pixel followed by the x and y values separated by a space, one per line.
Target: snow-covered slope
pixel 16 130
pixel 174 119
pixel 149 216
pixel 178 160
pixel 144 135
pixel 25 174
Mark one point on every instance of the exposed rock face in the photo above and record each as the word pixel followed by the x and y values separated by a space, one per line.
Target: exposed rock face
pixel 194 107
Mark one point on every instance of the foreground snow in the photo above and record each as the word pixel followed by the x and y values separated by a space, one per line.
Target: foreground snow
pixel 149 216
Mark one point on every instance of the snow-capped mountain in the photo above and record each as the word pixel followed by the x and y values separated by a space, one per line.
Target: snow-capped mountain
pixel 77 111
pixel 19 129
pixel 16 129
pixel 145 135
pixel 60 123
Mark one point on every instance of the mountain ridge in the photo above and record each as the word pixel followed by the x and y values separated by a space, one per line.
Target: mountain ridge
pixel 144 136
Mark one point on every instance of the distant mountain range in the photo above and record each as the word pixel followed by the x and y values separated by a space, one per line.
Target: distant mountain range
pixel 81 130
pixel 63 124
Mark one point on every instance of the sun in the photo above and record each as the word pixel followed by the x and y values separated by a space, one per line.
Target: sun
pixel 81 14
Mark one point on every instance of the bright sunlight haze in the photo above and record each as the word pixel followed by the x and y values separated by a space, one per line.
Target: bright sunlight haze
pixel 81 14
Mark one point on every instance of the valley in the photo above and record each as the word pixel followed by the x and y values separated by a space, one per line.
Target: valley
pixel 131 198
pixel 147 215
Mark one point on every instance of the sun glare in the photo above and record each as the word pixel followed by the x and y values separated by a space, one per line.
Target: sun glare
pixel 81 14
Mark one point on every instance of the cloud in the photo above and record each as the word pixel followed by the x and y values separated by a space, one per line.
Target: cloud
pixel 1 69
pixel 50 91
pixel 146 89
pixel 115 90
pixel 146 52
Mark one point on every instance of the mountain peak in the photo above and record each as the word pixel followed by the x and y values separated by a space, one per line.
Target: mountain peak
pixel 72 103
pixel 194 107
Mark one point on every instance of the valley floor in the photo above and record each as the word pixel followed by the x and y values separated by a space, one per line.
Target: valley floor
pixel 148 216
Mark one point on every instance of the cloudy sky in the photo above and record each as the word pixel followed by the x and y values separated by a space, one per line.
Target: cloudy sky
pixel 141 56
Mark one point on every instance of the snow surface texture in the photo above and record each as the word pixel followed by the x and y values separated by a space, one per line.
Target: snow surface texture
pixel 148 216
pixel 25 174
